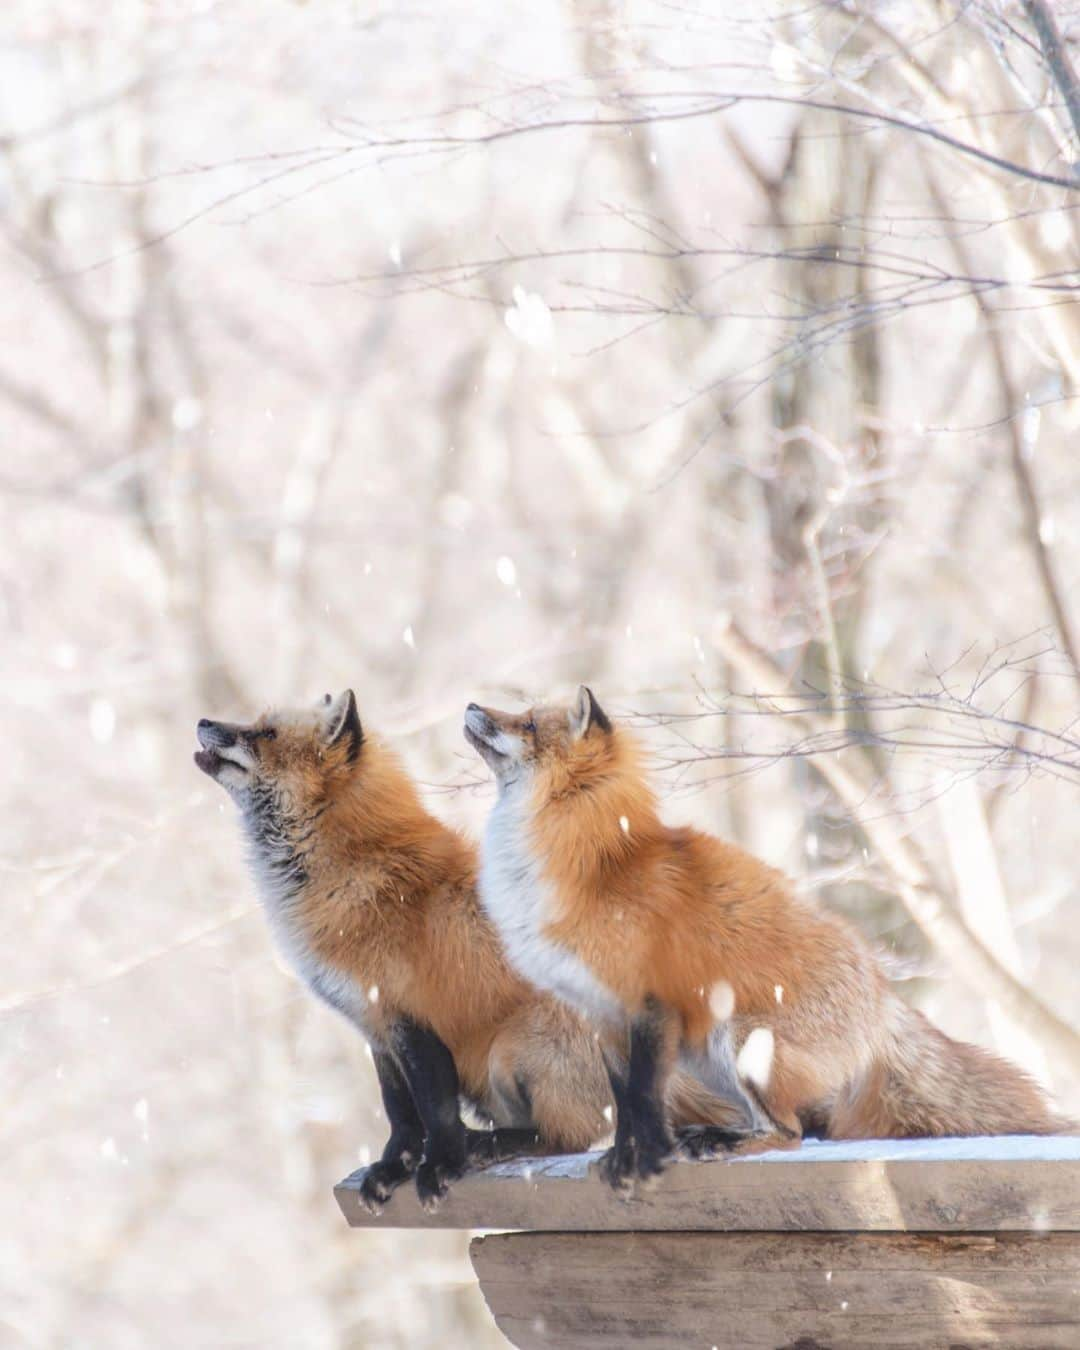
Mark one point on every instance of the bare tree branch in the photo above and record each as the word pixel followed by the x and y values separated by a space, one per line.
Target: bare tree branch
pixel 1019 453
pixel 1057 57
pixel 935 912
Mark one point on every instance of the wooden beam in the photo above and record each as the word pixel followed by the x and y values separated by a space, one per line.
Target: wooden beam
pixel 1019 1184
pixel 789 1291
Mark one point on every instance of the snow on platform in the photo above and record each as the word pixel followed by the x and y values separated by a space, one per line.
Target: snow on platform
pixel 994 1184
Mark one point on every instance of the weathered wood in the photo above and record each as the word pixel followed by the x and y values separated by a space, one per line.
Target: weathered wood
pixel 939 1185
pixel 789 1291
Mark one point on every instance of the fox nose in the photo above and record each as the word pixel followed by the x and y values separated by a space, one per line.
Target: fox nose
pixel 477 721
pixel 216 735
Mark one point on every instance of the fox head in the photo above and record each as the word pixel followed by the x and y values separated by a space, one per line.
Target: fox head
pixel 519 745
pixel 289 759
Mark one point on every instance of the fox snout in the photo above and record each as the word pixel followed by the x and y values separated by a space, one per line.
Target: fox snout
pixel 499 750
pixel 479 722
pixel 212 736
pixel 215 735
pixel 223 746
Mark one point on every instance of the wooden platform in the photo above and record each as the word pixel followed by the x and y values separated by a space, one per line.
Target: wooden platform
pixel 912 1243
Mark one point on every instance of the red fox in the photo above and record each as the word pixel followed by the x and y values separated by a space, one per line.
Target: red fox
pixel 710 961
pixel 374 902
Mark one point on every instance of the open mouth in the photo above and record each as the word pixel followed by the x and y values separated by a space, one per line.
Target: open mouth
pixel 209 761
pixel 215 740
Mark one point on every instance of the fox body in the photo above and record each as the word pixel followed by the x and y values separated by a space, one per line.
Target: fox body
pixel 709 958
pixel 374 903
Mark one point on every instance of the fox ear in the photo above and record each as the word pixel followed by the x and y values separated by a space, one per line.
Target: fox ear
pixel 343 723
pixel 586 713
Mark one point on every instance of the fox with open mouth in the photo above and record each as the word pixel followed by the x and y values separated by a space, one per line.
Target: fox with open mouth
pixel 374 903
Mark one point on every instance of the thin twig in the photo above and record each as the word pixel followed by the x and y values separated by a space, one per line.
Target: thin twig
pixel 854 783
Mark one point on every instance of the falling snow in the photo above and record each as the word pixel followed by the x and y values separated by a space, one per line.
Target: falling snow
pixel 755 1059
pixel 548 369
pixel 721 1000
pixel 529 319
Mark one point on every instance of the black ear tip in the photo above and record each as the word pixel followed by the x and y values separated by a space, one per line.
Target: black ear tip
pixel 597 716
pixel 348 728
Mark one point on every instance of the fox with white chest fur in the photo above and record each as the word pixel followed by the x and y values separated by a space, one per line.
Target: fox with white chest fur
pixel 706 958
pixel 373 902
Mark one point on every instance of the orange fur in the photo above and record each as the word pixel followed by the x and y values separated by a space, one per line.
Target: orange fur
pixel 388 908
pixel 675 915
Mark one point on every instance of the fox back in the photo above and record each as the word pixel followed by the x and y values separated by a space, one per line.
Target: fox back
pixel 776 999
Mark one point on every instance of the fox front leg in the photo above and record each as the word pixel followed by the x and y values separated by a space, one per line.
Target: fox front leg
pixel 642 1139
pixel 429 1070
pixel 405 1147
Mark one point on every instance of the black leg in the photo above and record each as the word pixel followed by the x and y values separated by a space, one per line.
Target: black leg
pixel 618 1162
pixel 642 1139
pixel 430 1072
pixel 404 1148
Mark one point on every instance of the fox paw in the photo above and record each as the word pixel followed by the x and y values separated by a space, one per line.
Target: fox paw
pixel 380 1181
pixel 631 1161
pixel 375 1188
pixel 709 1141
pixel 433 1181
pixel 500 1144
pixel 480 1147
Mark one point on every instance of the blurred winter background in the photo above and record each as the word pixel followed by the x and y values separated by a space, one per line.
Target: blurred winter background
pixel 478 349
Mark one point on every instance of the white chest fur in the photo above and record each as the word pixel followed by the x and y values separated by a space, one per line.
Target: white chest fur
pixel 520 902
pixel 279 880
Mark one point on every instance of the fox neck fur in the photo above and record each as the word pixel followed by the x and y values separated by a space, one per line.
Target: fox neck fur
pixel 345 878
pixel 521 903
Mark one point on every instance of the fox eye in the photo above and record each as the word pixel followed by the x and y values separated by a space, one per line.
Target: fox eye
pixel 530 727
pixel 263 734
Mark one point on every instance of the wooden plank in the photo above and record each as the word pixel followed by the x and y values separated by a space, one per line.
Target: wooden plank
pixel 790 1291
pixel 918 1185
